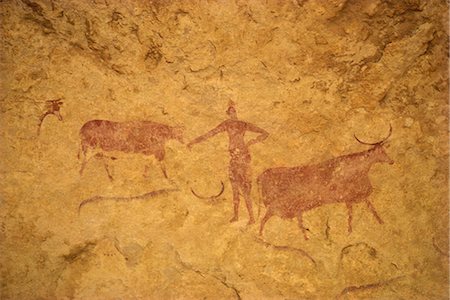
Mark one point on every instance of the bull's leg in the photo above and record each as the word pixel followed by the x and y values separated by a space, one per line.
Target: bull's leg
pixel 350 216
pixel 266 217
pixel 374 212
pixel 300 225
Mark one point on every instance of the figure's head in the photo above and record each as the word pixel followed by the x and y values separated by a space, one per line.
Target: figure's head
pixel 231 111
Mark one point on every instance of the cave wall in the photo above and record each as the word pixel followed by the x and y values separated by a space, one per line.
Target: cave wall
pixel 310 73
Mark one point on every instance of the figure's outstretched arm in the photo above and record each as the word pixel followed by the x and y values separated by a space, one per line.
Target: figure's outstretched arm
pixel 212 132
pixel 263 134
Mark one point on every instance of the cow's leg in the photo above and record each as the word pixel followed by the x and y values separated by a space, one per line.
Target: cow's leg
pixel 350 216
pixel 104 158
pixel 374 212
pixel 266 217
pixel 83 153
pixel 300 224
pixel 160 158
pixel 159 155
pixel 108 171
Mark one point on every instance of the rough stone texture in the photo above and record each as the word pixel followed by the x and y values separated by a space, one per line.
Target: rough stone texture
pixel 311 73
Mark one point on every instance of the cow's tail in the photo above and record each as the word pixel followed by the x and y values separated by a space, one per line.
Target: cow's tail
pixel 82 150
pixel 79 150
pixel 260 196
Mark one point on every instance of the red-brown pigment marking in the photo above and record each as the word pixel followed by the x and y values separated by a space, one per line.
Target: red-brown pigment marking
pixel 351 289
pixel 213 198
pixel 439 250
pixel 289 192
pixel 125 198
pixel 286 248
pixel 52 108
pixel 144 137
pixel 239 168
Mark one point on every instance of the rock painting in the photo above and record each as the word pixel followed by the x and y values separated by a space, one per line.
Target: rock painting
pixel 143 137
pixel 288 192
pixel 306 72
pixel 52 108
pixel 126 198
pixel 212 198
pixel 239 168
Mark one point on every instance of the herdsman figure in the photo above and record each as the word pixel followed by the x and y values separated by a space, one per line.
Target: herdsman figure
pixel 239 169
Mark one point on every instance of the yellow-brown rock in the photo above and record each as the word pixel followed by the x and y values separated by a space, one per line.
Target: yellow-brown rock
pixel 309 73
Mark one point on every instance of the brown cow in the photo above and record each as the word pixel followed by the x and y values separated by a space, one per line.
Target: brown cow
pixel 144 137
pixel 288 192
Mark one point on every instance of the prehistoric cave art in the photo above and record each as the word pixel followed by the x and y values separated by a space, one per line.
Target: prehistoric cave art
pixel 239 168
pixel 288 192
pixel 126 198
pixel 141 137
pixel 52 108
pixel 212 199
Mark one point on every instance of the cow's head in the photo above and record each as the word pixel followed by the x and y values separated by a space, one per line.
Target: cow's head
pixel 177 133
pixel 378 151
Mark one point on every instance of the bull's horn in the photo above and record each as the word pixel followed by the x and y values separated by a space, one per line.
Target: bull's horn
pixel 377 143
pixel 211 197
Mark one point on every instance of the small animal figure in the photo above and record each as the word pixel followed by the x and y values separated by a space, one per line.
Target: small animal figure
pixel 289 192
pixel 144 137
pixel 52 108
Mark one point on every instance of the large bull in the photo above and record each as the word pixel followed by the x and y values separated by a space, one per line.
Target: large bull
pixel 288 192
pixel 143 137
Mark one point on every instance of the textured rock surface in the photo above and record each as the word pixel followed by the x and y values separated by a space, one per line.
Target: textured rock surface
pixel 311 73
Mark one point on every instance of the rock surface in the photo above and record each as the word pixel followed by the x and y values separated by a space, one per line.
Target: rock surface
pixel 310 73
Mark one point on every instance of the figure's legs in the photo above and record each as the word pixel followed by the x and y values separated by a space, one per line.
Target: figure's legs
pixel 300 224
pixel 266 217
pixel 246 188
pixel 350 216
pixel 374 212
pixel 236 200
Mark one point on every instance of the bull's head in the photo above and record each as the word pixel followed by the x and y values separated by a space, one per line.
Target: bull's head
pixel 378 149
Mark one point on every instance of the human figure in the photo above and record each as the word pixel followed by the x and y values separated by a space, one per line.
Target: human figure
pixel 239 169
